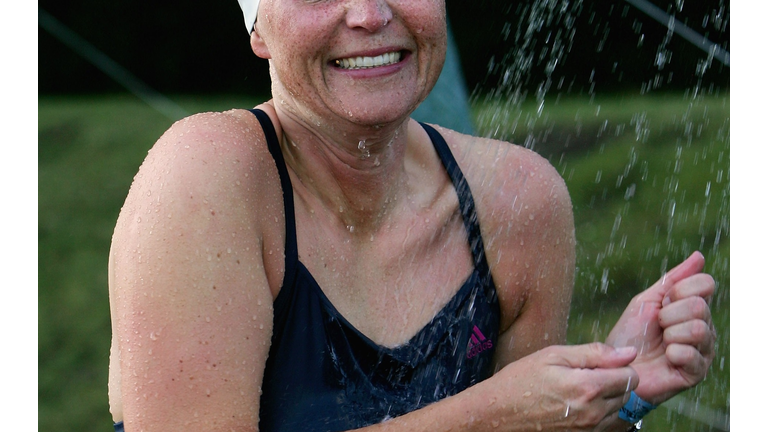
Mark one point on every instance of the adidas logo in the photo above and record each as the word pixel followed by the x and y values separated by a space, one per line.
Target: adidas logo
pixel 477 343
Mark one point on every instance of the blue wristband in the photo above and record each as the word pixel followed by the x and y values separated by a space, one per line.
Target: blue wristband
pixel 635 409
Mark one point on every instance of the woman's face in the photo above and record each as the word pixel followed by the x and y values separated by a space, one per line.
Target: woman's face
pixel 315 49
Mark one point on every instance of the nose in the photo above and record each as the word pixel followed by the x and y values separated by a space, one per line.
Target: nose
pixel 370 15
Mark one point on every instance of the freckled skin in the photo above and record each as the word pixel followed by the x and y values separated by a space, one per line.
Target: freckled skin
pixel 301 40
pixel 197 256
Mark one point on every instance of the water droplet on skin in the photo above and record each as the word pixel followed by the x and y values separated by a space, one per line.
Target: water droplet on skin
pixel 363 149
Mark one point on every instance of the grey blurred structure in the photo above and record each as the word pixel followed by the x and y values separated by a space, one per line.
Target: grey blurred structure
pixel 448 104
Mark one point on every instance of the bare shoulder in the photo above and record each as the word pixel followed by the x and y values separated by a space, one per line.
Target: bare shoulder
pixel 526 220
pixel 207 178
pixel 189 286
pixel 209 169
pixel 203 150
pixel 507 176
pixel 517 190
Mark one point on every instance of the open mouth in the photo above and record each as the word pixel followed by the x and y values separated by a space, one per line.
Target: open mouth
pixel 369 62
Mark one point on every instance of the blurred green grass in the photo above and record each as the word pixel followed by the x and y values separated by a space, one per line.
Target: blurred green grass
pixel 649 179
pixel 89 149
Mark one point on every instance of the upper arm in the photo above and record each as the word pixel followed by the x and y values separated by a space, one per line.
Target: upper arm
pixel 190 297
pixel 527 224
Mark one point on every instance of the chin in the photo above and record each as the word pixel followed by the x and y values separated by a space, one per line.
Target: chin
pixel 364 117
pixel 379 112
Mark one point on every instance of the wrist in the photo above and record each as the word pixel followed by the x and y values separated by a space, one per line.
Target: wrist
pixel 634 410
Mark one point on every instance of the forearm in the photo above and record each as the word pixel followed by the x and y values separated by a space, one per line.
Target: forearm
pixel 559 388
pixel 477 409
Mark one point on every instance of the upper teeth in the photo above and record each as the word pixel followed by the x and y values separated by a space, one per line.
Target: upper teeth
pixel 368 62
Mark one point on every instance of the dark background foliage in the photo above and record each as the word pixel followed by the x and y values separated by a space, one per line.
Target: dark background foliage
pixel 202 47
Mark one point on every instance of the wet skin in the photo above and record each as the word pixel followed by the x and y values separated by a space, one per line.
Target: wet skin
pixel 197 255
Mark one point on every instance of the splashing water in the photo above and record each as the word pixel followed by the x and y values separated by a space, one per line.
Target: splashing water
pixel 647 166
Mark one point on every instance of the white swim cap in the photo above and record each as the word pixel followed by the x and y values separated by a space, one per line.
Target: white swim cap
pixel 250 8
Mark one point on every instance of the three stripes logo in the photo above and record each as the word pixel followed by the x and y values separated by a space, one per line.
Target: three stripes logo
pixel 477 343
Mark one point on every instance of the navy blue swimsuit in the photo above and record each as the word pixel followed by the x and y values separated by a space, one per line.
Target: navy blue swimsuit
pixel 322 374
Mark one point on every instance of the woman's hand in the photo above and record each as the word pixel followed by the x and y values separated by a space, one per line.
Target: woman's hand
pixel 564 388
pixel 670 326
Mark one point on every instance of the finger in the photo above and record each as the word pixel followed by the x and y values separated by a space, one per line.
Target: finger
pixel 699 285
pixel 692 265
pixel 593 355
pixel 600 393
pixel 599 416
pixel 695 333
pixel 691 308
pixel 689 360
pixel 615 383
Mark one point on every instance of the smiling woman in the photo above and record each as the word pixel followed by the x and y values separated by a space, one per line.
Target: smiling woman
pixel 326 263
pixel 308 44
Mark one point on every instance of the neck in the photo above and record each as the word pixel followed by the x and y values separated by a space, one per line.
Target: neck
pixel 357 173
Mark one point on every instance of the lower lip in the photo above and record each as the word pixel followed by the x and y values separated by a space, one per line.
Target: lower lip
pixel 374 72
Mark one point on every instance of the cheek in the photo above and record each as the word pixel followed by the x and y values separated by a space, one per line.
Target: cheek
pixel 428 21
pixel 429 15
pixel 295 39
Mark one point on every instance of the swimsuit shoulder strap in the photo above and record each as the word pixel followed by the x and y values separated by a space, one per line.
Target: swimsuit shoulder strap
pixel 291 248
pixel 466 202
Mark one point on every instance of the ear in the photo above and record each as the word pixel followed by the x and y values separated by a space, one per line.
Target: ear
pixel 257 44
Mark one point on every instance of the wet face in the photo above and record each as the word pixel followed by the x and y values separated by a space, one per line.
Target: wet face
pixel 367 61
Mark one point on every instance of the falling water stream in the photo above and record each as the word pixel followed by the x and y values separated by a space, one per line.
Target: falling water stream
pixel 648 168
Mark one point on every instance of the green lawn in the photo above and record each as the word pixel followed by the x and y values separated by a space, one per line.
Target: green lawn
pixel 649 177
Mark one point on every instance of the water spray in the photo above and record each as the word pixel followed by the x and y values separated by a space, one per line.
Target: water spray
pixel 683 30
